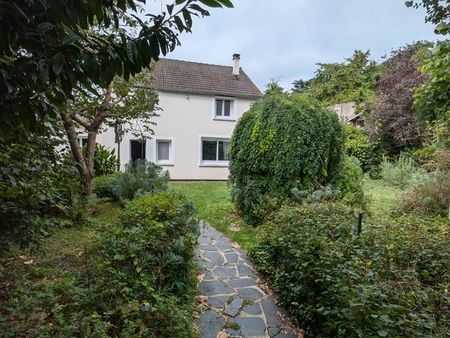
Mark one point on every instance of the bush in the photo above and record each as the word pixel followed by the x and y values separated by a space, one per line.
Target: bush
pixel 401 173
pixel 138 281
pixel 390 281
pixel 140 177
pixel 357 144
pixel 349 182
pixel 283 142
pixel 105 161
pixel 103 185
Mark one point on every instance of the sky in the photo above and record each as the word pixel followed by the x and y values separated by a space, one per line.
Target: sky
pixel 282 40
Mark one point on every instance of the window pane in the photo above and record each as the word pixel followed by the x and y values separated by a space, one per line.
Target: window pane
pixel 223 150
pixel 209 151
pixel 219 107
pixel 227 108
pixel 163 150
pixel 137 150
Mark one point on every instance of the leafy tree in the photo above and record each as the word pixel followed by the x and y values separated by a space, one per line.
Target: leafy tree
pixel 123 100
pixel 438 12
pixel 284 141
pixel 394 121
pixel 49 48
pixel 350 81
pixel 273 87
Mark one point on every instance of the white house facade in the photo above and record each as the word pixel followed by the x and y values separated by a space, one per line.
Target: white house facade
pixel 200 105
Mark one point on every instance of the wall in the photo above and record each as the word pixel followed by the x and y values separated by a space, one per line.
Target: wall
pixel 185 118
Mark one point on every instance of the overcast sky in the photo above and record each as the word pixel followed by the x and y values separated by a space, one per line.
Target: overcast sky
pixel 282 40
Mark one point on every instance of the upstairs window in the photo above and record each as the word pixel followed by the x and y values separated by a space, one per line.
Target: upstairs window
pixel 215 151
pixel 224 108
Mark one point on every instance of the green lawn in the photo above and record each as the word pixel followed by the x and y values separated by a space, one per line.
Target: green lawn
pixel 213 204
pixel 381 195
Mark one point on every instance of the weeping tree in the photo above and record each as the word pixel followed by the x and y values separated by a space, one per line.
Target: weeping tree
pixel 131 102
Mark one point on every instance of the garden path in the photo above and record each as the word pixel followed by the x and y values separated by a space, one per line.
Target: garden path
pixel 237 306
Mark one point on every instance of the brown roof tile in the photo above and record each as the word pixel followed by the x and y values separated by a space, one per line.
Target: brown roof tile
pixel 200 78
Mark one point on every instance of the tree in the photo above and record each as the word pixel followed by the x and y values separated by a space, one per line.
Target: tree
pixel 48 49
pixel 350 81
pixel 438 13
pixel 284 141
pixel 394 122
pixel 133 101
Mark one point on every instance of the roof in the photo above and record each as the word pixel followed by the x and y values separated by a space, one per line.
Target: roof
pixel 201 78
pixel 360 116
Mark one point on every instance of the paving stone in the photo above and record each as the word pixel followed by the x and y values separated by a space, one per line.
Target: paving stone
pixel 285 335
pixel 245 271
pixel 273 331
pixel 242 282
pixel 251 326
pixel 208 247
pixel 234 307
pixel 224 271
pixel 214 257
pixel 215 287
pixel 271 311
pixel 231 258
pixel 217 301
pixel 250 293
pixel 253 309
pixel 210 323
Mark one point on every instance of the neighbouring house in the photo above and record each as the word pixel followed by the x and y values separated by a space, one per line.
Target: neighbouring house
pixel 200 104
pixel 347 113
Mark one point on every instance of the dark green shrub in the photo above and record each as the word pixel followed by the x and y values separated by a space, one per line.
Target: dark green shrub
pixel 103 185
pixel 283 142
pixel 138 281
pixel 357 144
pixel 105 161
pixel 140 177
pixel 349 182
pixel 390 281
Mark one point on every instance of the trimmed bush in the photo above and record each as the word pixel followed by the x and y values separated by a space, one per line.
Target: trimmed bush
pixel 391 281
pixel 283 142
pixel 140 177
pixel 138 281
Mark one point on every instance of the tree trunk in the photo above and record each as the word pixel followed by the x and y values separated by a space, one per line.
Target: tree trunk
pixel 85 166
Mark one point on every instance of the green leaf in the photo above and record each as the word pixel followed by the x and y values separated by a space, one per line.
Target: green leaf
pixel 211 3
pixel 382 333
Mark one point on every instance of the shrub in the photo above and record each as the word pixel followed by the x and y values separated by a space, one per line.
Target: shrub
pixel 138 281
pixel 400 173
pixel 103 185
pixel 283 142
pixel 140 177
pixel 349 181
pixel 390 281
pixel 357 144
pixel 105 161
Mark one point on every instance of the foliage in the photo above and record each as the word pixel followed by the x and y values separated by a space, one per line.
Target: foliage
pixel 401 173
pixel 62 45
pixel 432 99
pixel 103 185
pixel 105 161
pixel 357 144
pixel 438 12
pixel 349 182
pixel 393 121
pixel 284 141
pixel 431 192
pixel 140 177
pixel 138 281
pixel 350 81
pixel 35 186
pixel 390 281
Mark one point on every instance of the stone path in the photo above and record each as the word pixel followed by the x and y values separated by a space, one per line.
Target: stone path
pixel 236 305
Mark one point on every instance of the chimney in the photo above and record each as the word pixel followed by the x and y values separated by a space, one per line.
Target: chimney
pixel 236 66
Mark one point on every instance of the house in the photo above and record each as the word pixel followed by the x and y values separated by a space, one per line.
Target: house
pixel 200 105
pixel 347 113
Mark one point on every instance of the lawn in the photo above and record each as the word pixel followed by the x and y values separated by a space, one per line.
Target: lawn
pixel 213 204
pixel 381 196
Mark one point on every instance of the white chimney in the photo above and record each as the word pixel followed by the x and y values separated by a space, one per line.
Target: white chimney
pixel 236 66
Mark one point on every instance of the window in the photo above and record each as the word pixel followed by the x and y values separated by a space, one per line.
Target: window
pixel 215 151
pixel 137 150
pixel 82 141
pixel 164 152
pixel 224 108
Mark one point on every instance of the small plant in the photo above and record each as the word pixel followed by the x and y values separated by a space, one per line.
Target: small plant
pixel 103 185
pixel 400 173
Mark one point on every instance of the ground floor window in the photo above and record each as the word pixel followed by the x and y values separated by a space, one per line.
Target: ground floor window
pixel 82 141
pixel 137 150
pixel 214 151
pixel 164 152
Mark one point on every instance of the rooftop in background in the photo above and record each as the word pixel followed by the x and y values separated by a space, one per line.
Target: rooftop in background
pixel 201 78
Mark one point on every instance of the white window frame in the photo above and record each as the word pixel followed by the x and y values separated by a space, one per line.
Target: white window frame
pixel 80 140
pixel 171 160
pixel 209 163
pixel 233 103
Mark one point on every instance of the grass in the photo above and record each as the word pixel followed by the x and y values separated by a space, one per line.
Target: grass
pixel 213 204
pixel 382 197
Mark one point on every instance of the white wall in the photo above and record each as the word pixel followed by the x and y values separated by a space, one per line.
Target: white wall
pixel 185 118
